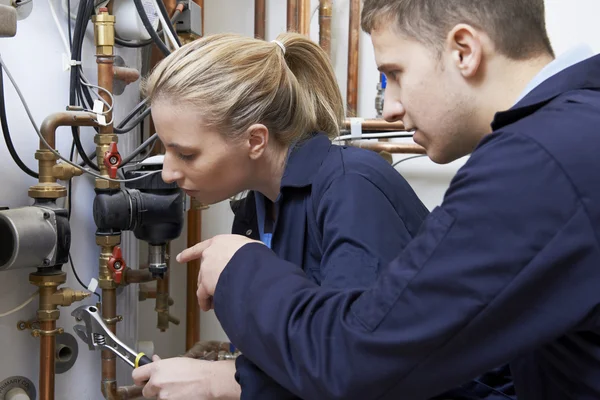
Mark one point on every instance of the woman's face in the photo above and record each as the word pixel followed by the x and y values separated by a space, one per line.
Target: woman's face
pixel 201 161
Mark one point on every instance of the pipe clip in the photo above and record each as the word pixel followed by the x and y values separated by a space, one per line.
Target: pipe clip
pixel 112 160
pixel 112 321
pixel 41 332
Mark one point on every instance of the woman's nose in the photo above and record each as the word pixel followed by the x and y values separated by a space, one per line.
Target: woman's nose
pixel 170 173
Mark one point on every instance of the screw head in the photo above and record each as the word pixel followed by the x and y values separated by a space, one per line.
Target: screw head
pixel 46 215
pixel 46 262
pixel 113 160
pixel 117 265
pixel 21 325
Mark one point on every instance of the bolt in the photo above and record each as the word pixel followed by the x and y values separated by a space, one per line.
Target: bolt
pixel 22 325
pixel 117 265
pixel 46 262
pixel 46 215
pixel 113 160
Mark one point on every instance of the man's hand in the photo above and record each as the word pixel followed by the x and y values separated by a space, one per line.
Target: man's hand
pixel 182 378
pixel 214 255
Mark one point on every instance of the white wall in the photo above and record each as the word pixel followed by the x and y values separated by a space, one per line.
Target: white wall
pixel 34 57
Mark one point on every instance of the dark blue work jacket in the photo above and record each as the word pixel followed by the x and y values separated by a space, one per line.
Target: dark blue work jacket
pixel 333 214
pixel 343 213
pixel 507 269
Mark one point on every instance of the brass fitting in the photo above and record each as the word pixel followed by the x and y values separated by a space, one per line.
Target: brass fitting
pixel 67 296
pixel 46 188
pixel 50 297
pixel 107 244
pixel 103 142
pixel 104 32
pixel 64 171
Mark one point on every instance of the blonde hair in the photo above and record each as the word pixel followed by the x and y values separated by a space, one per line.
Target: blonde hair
pixel 236 81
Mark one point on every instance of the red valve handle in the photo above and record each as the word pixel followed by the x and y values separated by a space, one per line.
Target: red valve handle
pixel 116 264
pixel 112 160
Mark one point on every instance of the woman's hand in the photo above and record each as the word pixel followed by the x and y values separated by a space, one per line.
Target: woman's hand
pixel 182 378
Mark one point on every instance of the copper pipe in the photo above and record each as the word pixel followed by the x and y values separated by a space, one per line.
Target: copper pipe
pixel 392 148
pixel 353 39
pixel 109 365
pixel 105 80
pixel 325 12
pixel 64 118
pixel 192 316
pixel 259 19
pixel 162 302
pixel 292 15
pixel 376 125
pixel 148 293
pixel 130 392
pixel 304 17
pixel 137 276
pixel 126 74
pixel 47 366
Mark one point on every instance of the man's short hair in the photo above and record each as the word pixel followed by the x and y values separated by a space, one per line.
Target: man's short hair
pixel 516 27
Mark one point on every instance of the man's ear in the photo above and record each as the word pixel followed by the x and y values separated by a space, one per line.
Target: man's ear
pixel 258 140
pixel 466 45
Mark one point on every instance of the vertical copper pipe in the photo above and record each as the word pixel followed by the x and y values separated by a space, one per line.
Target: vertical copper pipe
pixel 353 37
pixel 162 302
pixel 109 361
pixel 304 17
pixel 292 15
pixel 325 11
pixel 259 19
pixel 192 318
pixel 47 351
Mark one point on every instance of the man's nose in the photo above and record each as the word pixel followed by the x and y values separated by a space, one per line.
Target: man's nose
pixel 393 109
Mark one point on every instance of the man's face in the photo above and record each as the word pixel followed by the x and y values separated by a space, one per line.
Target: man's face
pixel 427 92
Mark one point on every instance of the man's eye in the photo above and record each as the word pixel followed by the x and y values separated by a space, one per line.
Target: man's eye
pixel 185 157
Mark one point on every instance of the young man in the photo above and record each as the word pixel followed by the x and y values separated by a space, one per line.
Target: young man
pixel 507 269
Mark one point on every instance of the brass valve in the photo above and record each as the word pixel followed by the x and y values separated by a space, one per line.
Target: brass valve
pixel 64 171
pixel 67 296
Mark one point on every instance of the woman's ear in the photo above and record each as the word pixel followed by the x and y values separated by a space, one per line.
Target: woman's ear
pixel 257 136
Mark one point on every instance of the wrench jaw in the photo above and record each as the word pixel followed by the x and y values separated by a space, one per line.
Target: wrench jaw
pixel 97 336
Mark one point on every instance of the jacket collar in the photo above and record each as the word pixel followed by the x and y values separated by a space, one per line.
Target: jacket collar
pixel 304 161
pixel 583 75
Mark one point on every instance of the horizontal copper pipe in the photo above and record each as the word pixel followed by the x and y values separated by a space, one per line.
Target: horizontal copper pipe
pixel 377 124
pixel 392 148
pixel 146 293
pixel 130 392
pixel 137 276
pixel 64 118
pixel 126 74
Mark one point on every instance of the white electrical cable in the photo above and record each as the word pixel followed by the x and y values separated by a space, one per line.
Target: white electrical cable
pixel 19 308
pixel 165 27
pixel 37 130
pixel 408 158
pixel 387 135
pixel 60 30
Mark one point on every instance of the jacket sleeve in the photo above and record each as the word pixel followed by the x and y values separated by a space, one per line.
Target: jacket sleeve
pixel 508 263
pixel 360 231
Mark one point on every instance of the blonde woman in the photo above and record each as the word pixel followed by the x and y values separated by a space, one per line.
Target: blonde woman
pixel 239 114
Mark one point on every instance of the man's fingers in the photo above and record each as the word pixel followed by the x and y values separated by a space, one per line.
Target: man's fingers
pixel 150 391
pixel 193 253
pixel 204 299
pixel 142 374
pixel 155 358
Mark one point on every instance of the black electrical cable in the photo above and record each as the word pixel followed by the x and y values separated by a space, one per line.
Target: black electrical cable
pixel 142 13
pixel 135 122
pixel 6 132
pixel 163 11
pixel 69 24
pixel 150 141
pixel 78 279
pixel 132 113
